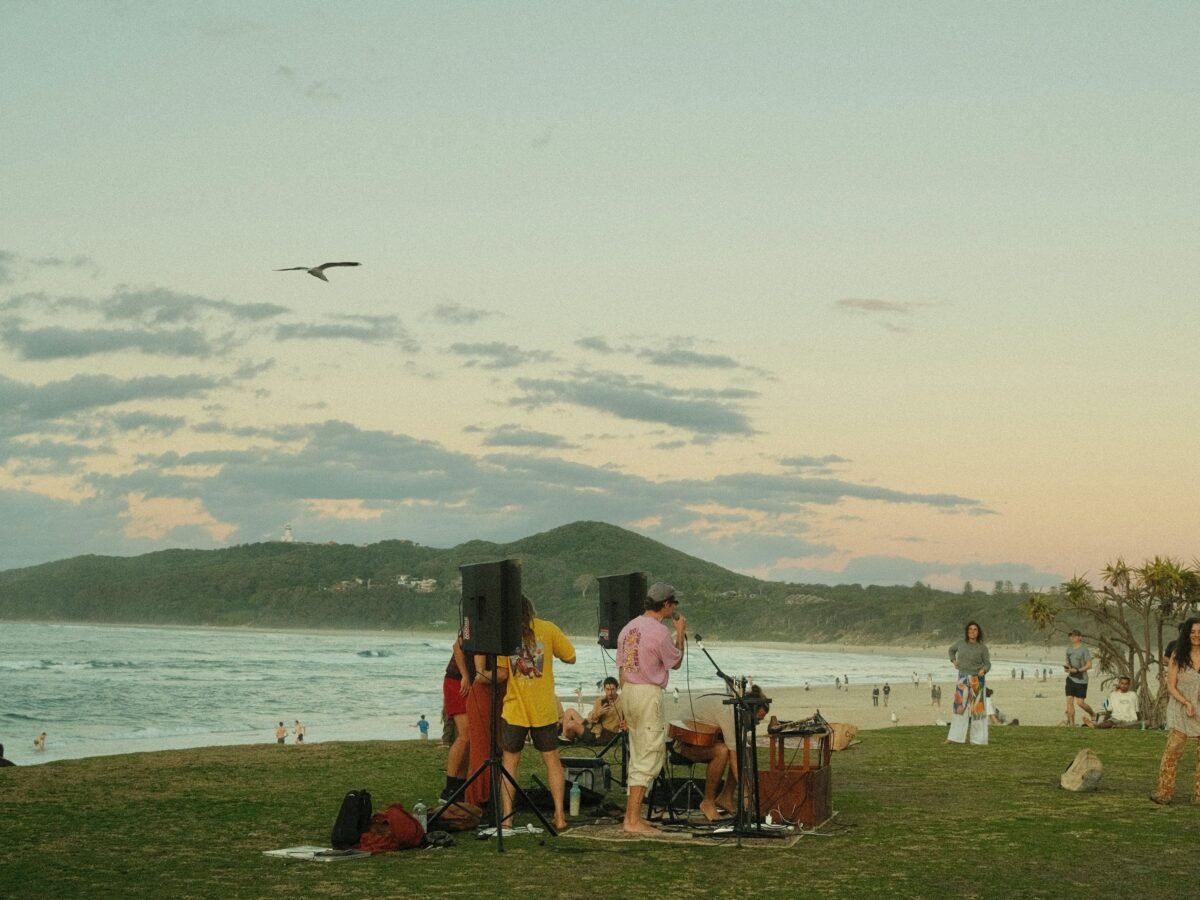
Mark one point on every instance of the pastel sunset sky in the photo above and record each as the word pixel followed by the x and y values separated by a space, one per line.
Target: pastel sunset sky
pixel 821 292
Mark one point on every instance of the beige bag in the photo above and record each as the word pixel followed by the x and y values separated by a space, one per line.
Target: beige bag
pixel 843 734
pixel 1084 772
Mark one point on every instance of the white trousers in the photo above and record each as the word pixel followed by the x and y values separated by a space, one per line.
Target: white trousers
pixel 961 726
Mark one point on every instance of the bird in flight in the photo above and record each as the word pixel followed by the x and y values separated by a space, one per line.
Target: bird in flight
pixel 317 271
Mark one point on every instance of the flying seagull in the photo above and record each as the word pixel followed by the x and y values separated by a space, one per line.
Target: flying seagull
pixel 318 271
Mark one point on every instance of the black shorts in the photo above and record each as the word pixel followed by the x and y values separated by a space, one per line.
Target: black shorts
pixel 1075 689
pixel 512 737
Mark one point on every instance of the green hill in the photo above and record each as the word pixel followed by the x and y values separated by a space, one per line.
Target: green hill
pixel 281 585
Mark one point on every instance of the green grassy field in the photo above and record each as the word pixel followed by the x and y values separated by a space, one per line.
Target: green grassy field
pixel 915 818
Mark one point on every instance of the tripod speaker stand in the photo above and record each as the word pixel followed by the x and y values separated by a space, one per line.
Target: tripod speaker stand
pixel 494 765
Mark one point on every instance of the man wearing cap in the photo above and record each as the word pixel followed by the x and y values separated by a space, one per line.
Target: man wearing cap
pixel 647 651
pixel 1079 660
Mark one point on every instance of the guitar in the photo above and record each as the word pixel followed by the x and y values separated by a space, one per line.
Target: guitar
pixel 693 733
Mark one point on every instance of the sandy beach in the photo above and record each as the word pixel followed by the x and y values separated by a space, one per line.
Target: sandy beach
pixel 1031 701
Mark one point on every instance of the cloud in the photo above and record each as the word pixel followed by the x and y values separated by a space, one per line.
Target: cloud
pixel 158 517
pixel 599 344
pixel 7 264
pixel 144 421
pixel 66 343
pixel 364 329
pixel 699 410
pixel 688 359
pixel 313 90
pixel 28 402
pixel 497 355
pixel 457 314
pixel 813 462
pixel 515 436
pixel 898 315
pixel 159 306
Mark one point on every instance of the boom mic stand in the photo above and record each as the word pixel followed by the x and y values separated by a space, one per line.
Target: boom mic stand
pixel 495 765
pixel 745 725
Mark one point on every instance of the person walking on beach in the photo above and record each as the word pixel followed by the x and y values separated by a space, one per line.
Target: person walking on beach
pixel 970 656
pixel 875 695
pixel 298 731
pixel 1183 684
pixel 647 651
pixel 281 733
pixel 39 742
pixel 935 695
pixel 887 692
pixel 1079 660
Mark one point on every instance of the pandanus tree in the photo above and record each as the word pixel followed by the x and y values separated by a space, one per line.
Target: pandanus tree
pixel 1129 619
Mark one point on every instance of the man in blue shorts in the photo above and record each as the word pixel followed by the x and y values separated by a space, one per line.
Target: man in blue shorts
pixel 1079 660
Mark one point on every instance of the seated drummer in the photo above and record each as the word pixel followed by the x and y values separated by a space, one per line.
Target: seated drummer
pixel 603 723
pixel 713 711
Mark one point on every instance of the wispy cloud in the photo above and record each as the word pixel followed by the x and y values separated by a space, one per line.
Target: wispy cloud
pixel 516 436
pixel 498 355
pixel 895 316
pixel 365 329
pixel 700 410
pixel 313 89
pixel 457 314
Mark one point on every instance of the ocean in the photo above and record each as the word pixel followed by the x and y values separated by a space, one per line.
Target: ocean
pixel 98 690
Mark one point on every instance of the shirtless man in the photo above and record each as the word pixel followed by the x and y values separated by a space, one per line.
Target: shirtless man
pixel 298 731
pixel 39 742
pixel 281 733
pixel 712 710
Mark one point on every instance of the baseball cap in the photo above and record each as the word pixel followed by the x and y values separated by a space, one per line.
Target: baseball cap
pixel 660 592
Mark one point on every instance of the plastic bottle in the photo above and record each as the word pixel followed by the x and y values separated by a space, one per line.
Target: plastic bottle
pixel 421 814
pixel 576 797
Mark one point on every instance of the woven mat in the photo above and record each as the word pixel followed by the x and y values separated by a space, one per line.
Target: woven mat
pixel 615 832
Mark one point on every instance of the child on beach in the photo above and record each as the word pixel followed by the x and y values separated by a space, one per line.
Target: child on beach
pixel 423 727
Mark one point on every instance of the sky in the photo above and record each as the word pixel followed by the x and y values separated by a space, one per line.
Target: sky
pixel 820 292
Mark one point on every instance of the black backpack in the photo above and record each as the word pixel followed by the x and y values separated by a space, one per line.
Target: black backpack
pixel 352 820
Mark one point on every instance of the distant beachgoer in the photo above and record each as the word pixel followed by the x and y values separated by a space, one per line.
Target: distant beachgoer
pixel 298 730
pixel 1079 660
pixel 875 695
pixel 887 692
pixel 39 742
pixel 1013 676
pixel 4 762
pixel 423 727
pixel 935 696
pixel 1022 674
pixel 837 683
pixel 846 681
pixel 970 656
pixel 916 681
pixel 806 685
pixel 281 733
pixel 1183 684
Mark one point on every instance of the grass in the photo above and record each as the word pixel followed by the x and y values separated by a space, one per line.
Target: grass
pixel 916 818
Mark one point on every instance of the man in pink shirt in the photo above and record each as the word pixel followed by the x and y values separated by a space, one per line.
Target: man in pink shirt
pixel 647 651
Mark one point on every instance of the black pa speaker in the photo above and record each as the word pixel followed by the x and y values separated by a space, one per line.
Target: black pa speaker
pixel 491 607
pixel 622 597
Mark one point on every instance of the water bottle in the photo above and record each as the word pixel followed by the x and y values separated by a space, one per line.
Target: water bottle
pixel 421 814
pixel 576 797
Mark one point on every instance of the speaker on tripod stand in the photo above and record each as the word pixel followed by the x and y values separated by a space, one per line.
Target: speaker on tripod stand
pixel 491 626
pixel 622 597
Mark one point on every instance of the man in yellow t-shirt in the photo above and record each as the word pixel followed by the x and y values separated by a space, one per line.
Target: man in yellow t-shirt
pixel 530 706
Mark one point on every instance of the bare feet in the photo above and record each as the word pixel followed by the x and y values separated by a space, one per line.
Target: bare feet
pixel 641 826
pixel 710 811
pixel 560 824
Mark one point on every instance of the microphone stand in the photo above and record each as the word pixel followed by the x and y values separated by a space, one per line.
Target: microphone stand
pixel 745 722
